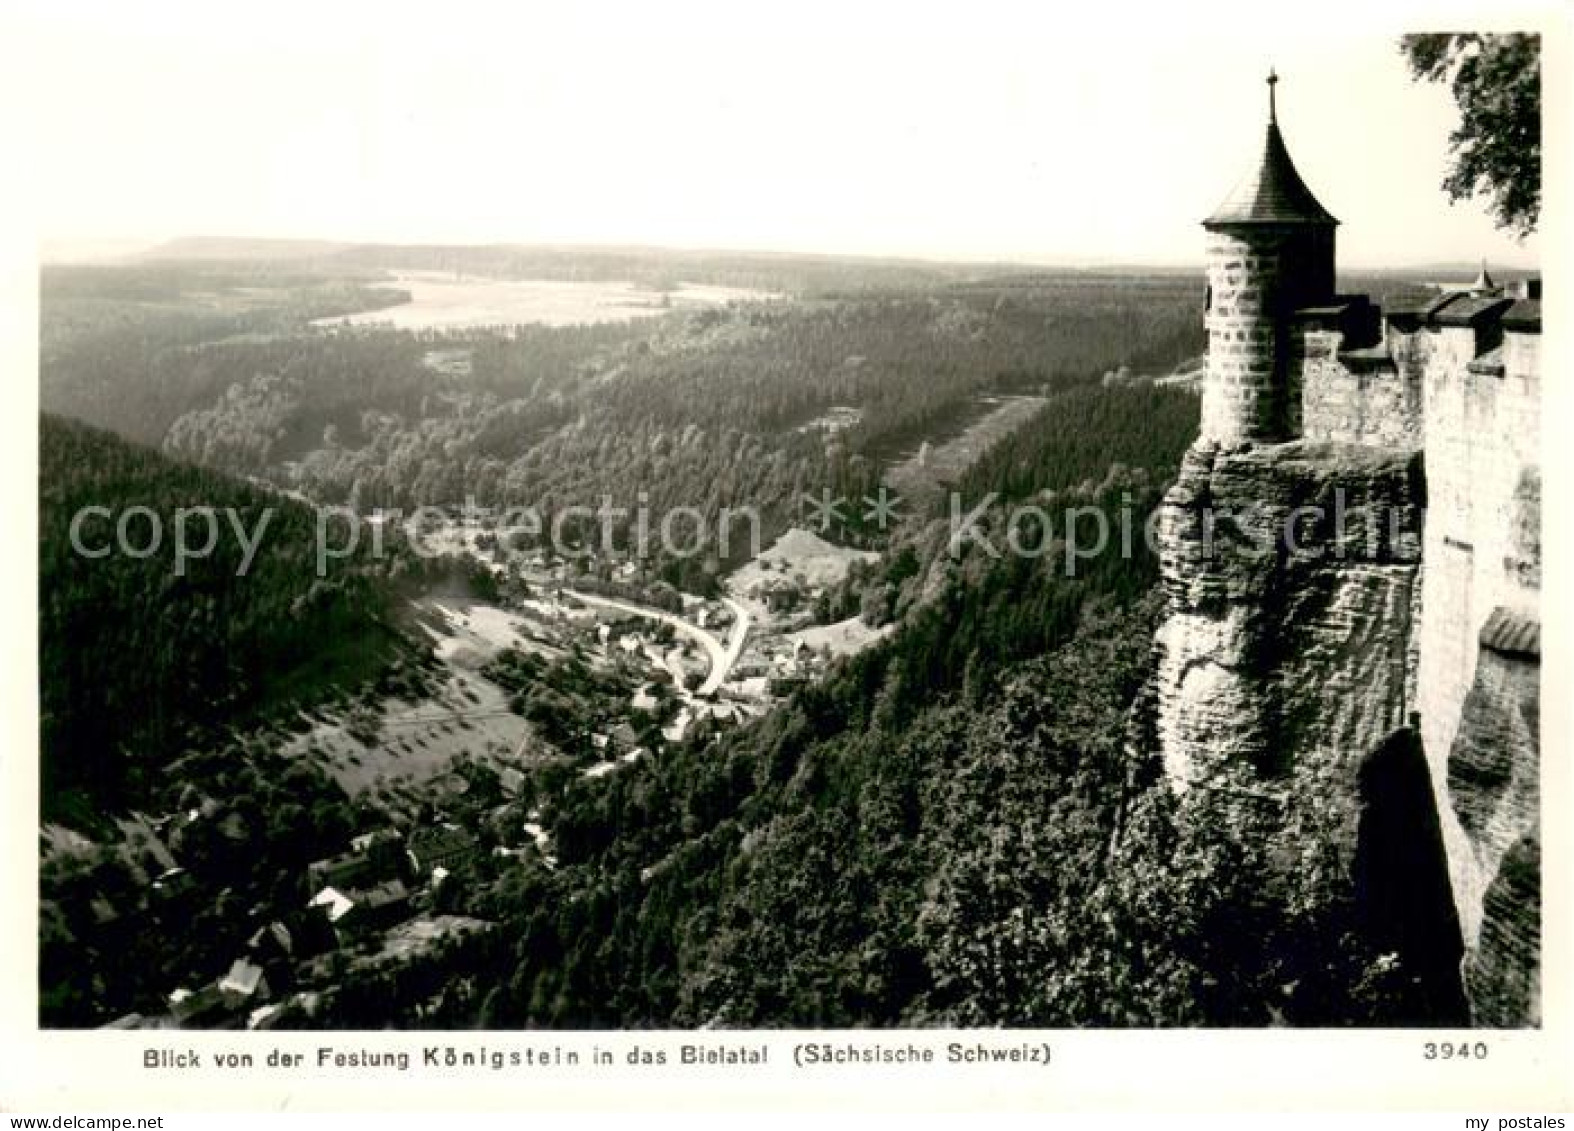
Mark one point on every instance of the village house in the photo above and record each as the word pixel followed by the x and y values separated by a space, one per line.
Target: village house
pixel 346 870
pixel 371 858
pixel 382 906
pixel 354 913
pixel 443 846
pixel 246 985
pixel 140 1021
pixel 334 903
pixel 510 780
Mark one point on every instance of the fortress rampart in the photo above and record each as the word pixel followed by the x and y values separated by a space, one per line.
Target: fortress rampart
pixel 1419 611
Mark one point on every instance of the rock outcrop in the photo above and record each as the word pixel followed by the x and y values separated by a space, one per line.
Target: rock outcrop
pixel 1494 776
pixel 1292 574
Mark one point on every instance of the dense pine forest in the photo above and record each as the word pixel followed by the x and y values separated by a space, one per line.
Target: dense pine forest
pixel 949 830
pixel 720 400
pixel 140 663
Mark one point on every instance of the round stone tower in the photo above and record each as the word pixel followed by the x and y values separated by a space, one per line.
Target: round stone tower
pixel 1270 252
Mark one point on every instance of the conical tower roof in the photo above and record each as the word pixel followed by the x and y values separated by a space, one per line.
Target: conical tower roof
pixel 1483 284
pixel 1273 192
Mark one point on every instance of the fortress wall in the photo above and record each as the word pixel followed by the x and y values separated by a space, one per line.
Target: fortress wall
pixel 1289 666
pixel 1419 433
pixel 1357 403
pixel 1482 549
pixel 1450 619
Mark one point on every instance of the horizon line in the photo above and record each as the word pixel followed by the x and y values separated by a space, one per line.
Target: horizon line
pixel 51 252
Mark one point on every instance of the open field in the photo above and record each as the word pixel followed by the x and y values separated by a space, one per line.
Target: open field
pixel 441 301
pixel 842 638
pixel 936 466
pixel 416 744
pixel 473 632
pixel 802 555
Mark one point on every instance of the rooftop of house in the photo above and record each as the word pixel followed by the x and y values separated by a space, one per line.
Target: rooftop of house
pixel 335 901
pixel 1512 633
pixel 1455 309
pixel 274 934
pixel 1524 316
pixel 367 841
pixel 244 978
pixel 1469 309
pixel 385 894
pixel 189 1004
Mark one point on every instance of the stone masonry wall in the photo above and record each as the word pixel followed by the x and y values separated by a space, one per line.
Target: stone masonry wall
pixel 1357 404
pixel 1256 276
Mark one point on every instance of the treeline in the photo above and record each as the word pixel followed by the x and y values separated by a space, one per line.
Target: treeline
pixel 712 409
pixel 121 347
pixel 664 268
pixel 1081 433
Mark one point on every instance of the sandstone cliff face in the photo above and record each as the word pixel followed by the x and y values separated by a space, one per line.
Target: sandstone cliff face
pixel 1503 970
pixel 1292 574
pixel 1293 578
pixel 1494 782
pixel 1292 643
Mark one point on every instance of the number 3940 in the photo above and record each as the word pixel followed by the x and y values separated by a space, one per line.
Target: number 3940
pixel 1450 1050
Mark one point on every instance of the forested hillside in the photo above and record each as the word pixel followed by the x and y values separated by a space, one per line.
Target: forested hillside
pixel 140 662
pixel 119 346
pixel 949 829
pixel 709 409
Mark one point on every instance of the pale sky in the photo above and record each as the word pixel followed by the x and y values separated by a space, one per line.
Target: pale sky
pixel 968 130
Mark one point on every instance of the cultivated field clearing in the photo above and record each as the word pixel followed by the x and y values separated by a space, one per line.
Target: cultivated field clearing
pixel 416 743
pixel 842 638
pixel 472 632
pixel 937 466
pixel 441 301
pixel 802 555
pixel 398 744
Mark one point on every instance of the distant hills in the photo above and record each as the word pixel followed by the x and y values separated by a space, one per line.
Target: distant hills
pixel 546 257
pixel 192 248
pixel 94 251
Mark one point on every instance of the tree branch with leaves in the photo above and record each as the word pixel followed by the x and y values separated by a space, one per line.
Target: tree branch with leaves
pixel 1496 148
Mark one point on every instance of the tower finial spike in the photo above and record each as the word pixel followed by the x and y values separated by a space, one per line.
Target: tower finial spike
pixel 1273 108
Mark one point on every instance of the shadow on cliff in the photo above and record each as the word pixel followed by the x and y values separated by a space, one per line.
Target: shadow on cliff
pixel 1402 888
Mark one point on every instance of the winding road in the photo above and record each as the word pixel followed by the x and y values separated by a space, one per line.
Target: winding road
pixel 722 657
